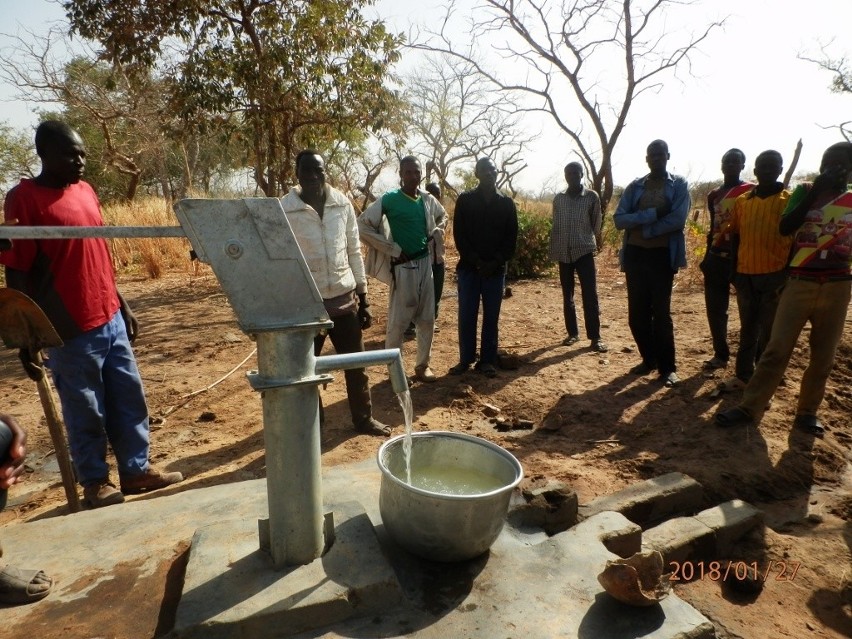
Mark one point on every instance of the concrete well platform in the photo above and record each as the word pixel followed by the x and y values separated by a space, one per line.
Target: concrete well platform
pixel 528 586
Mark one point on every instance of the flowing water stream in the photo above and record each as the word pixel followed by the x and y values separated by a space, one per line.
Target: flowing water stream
pixel 408 414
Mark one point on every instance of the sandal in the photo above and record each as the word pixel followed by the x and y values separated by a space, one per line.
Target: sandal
pixel 599 346
pixel 715 363
pixel 809 424
pixel 733 417
pixel 570 340
pixel 373 426
pixel 18 586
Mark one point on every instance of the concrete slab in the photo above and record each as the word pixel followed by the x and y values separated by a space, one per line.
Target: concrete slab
pixel 106 561
pixel 541 591
pixel 231 587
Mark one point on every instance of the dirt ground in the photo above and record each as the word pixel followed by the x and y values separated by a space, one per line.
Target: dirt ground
pixel 595 427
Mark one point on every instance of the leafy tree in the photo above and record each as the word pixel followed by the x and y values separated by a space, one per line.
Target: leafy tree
pixel 296 72
pixel 453 120
pixel 17 156
pixel 567 51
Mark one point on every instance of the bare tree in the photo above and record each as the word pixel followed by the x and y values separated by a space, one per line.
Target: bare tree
pixel 841 81
pixel 584 62
pixel 121 108
pixel 453 119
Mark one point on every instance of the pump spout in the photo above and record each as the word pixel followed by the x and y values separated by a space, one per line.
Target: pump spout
pixel 390 356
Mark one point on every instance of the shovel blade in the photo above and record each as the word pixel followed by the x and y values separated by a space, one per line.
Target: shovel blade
pixel 23 324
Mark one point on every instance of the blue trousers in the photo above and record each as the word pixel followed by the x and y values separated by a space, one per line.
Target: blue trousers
pixel 472 288
pixel 102 401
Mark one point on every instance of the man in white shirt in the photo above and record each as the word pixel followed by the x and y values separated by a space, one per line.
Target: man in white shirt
pixel 323 221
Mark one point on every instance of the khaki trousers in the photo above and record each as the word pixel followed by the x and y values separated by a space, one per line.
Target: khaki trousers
pixel 824 305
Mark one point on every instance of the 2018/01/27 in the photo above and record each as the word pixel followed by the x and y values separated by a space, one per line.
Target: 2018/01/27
pixel 740 570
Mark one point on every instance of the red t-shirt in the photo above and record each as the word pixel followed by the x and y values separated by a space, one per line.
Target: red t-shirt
pixel 71 280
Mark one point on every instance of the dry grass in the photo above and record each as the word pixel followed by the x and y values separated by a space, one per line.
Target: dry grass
pixel 149 256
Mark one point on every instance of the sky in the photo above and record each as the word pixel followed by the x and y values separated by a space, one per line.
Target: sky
pixel 747 89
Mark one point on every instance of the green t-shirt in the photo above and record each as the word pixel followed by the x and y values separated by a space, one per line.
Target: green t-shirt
pixel 407 219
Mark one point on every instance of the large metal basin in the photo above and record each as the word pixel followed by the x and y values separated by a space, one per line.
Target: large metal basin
pixel 438 526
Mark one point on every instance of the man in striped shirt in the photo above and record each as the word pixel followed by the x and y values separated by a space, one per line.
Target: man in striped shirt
pixel 575 237
pixel 716 265
pixel 760 256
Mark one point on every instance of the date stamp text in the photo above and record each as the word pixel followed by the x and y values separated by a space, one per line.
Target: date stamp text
pixel 739 570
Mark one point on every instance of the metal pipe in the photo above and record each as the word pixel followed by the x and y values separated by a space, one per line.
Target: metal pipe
pixel 389 356
pixel 77 232
pixel 292 441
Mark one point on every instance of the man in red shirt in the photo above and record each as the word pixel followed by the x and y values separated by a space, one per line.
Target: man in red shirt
pixel 72 280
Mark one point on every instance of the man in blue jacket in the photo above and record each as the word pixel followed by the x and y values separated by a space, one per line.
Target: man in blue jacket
pixel 652 213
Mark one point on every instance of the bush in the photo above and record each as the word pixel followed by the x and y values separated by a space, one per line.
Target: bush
pixel 532 257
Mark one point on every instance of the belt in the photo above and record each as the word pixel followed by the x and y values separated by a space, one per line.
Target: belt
pixel 821 279
pixel 724 254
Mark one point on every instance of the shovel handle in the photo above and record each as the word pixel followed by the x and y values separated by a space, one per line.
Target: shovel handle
pixel 57 435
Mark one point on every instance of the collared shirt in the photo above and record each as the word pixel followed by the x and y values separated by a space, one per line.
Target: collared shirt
pixel 631 218
pixel 484 230
pixel 330 243
pixel 576 223
pixel 762 249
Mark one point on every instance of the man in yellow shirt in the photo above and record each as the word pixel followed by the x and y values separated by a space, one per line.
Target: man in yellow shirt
pixel 760 257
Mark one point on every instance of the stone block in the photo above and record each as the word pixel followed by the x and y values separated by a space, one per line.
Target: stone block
pixel 552 507
pixel 730 521
pixel 681 539
pixel 652 500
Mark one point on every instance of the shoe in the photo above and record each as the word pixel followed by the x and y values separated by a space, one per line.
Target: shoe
pixel 459 368
pixel 424 374
pixel 809 424
pixel 151 479
pixel 570 340
pixel 411 331
pixel 731 385
pixel 488 370
pixel 714 363
pixel 733 417
pixel 599 346
pixel 670 380
pixel 643 368
pixel 101 493
pixel 373 426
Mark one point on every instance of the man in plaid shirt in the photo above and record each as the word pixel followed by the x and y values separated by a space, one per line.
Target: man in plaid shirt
pixel 575 237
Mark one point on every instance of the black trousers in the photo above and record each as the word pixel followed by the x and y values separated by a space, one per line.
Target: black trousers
pixel 717 298
pixel 757 301
pixel 649 278
pixel 584 267
pixel 346 337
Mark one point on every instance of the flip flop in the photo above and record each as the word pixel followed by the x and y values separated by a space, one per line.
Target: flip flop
pixel 19 586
